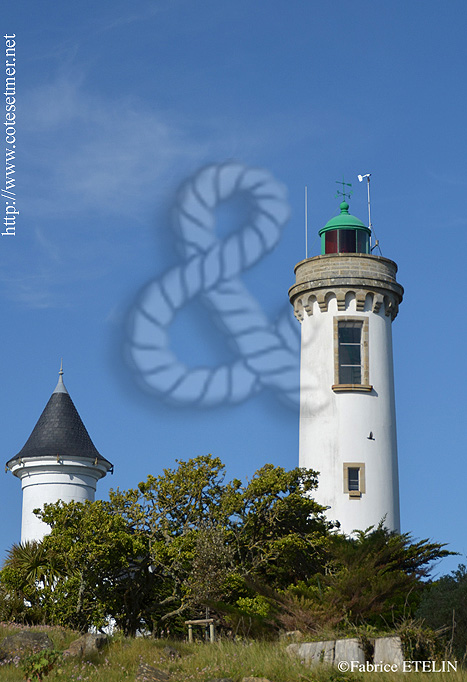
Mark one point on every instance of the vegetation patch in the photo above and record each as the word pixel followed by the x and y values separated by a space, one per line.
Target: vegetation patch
pixel 256 560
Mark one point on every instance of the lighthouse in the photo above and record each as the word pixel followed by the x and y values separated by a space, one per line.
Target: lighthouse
pixel 346 300
pixel 58 462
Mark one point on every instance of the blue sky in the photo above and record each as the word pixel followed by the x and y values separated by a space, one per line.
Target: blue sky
pixel 120 105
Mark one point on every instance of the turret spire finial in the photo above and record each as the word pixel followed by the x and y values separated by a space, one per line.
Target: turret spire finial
pixel 60 387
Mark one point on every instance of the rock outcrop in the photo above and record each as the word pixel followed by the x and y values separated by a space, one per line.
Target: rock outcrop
pixel 24 643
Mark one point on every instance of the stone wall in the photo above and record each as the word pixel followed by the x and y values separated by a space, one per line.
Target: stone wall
pixel 386 650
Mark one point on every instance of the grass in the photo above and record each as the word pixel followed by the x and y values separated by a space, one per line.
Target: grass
pixel 200 662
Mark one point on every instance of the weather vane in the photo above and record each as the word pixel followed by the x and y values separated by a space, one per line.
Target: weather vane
pixel 345 193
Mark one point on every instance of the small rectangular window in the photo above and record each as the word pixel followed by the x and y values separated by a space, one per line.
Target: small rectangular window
pixel 350 352
pixel 354 479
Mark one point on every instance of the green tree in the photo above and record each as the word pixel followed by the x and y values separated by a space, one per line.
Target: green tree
pixel 213 563
pixel 271 528
pixel 172 511
pixel 33 564
pixel 375 578
pixel 186 539
pixel 378 576
pixel 26 571
pixel 444 607
pixel 279 531
pixel 103 566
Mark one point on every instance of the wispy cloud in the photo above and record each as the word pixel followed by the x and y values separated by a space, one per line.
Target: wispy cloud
pixel 95 165
pixel 148 10
pixel 49 248
pixel 30 291
pixel 91 165
pixel 101 153
pixel 449 178
pixel 91 152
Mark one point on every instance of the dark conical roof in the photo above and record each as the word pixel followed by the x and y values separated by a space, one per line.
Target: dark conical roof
pixel 59 430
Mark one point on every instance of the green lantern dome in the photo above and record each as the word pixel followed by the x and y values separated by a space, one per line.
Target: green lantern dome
pixel 345 234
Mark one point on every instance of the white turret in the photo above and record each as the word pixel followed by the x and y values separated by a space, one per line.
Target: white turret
pixel 346 299
pixel 58 462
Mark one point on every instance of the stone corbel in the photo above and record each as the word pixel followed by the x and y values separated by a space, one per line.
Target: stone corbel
pixel 308 305
pixel 391 307
pixel 322 302
pixel 360 298
pixel 298 309
pixel 340 296
pixel 378 300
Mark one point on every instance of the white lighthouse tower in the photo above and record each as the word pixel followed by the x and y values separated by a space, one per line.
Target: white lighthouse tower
pixel 58 462
pixel 346 300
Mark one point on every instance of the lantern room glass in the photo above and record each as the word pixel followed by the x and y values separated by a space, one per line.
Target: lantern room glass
pixel 346 241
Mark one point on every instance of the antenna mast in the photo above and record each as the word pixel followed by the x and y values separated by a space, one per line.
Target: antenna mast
pixel 369 203
pixel 306 221
pixel 360 178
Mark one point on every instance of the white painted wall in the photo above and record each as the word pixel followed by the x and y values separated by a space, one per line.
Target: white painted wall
pixel 334 427
pixel 44 480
